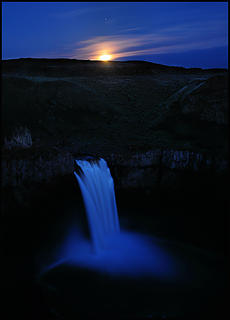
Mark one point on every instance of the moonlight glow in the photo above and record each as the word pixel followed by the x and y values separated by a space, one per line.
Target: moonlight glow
pixel 105 57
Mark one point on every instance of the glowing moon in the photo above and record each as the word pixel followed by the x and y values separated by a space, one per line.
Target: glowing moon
pixel 105 57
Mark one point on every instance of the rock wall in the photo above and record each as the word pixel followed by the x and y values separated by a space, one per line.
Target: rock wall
pixel 39 169
pixel 154 171
pixel 163 168
pixel 141 169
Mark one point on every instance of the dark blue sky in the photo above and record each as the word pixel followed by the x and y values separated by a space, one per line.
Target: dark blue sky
pixel 189 34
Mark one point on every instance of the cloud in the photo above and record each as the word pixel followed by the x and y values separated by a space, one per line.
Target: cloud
pixel 171 49
pixel 130 29
pixel 127 44
pixel 76 13
pixel 83 11
pixel 116 45
pixel 134 41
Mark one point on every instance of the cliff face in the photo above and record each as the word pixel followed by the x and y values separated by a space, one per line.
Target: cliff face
pixel 163 170
pixel 129 171
pixel 158 127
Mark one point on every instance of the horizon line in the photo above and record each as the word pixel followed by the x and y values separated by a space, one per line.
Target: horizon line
pixel 94 60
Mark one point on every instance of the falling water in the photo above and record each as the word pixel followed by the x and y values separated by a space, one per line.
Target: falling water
pixel 118 252
pixel 97 187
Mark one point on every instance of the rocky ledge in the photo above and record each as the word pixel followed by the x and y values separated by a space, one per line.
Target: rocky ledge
pixel 154 169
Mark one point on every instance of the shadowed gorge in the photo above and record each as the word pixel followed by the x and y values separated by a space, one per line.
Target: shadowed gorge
pixel 163 134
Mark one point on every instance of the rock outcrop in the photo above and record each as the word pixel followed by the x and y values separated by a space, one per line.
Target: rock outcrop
pixel 204 98
pixel 128 171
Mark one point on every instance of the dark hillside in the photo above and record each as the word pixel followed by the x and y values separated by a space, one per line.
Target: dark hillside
pixel 162 123
pixel 72 67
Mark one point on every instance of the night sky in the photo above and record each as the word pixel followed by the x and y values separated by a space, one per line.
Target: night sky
pixel 188 34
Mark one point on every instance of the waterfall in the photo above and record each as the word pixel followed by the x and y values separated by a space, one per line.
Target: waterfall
pixel 97 188
pixel 118 252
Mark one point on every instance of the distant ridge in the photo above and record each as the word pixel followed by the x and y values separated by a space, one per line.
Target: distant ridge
pixel 70 67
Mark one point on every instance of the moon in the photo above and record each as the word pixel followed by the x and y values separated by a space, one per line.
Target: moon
pixel 105 57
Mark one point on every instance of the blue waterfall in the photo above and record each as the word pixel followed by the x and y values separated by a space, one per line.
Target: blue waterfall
pixel 97 188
